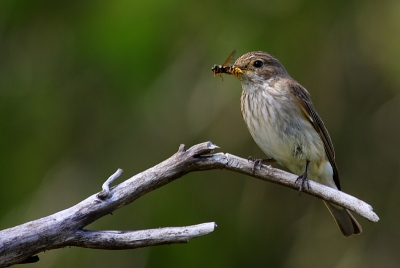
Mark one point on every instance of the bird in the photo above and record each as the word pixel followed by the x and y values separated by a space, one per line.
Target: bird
pixel 282 120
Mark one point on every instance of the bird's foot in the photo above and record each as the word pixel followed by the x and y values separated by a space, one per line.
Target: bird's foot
pixel 259 162
pixel 303 180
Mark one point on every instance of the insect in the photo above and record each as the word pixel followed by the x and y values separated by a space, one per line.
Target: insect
pixel 227 67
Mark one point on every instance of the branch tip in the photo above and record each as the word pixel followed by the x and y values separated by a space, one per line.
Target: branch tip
pixel 203 148
pixel 106 185
pixel 212 146
pixel 182 148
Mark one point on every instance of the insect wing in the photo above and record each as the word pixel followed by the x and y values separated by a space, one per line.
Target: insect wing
pixel 231 59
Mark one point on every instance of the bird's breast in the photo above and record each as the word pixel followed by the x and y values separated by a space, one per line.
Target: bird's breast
pixel 279 127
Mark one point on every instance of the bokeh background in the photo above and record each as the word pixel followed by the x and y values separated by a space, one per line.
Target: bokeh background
pixel 87 87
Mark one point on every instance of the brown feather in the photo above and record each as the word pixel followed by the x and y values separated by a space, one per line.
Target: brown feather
pixel 304 99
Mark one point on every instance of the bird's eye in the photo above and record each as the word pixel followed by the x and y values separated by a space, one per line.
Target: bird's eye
pixel 258 64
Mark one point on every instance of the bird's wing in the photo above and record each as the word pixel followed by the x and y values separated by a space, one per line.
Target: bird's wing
pixel 303 97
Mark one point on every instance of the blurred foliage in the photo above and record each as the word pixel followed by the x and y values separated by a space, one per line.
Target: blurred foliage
pixel 87 87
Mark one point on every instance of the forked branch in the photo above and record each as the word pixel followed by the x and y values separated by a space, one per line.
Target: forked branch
pixel 65 228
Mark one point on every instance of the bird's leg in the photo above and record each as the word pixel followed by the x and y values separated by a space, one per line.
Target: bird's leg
pixel 259 162
pixel 303 178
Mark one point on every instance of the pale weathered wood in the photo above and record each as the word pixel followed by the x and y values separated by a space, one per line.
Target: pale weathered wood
pixel 65 228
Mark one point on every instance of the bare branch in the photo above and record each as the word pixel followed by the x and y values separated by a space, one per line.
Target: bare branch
pixel 143 238
pixel 65 228
pixel 269 174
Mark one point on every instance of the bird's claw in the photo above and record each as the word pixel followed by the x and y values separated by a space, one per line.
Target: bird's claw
pixel 303 180
pixel 259 162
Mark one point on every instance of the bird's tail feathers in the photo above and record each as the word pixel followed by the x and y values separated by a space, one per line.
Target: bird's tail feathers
pixel 346 222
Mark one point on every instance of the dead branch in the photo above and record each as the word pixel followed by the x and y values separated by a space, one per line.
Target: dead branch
pixel 65 228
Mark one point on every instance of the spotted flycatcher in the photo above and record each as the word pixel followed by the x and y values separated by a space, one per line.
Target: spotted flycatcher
pixel 284 123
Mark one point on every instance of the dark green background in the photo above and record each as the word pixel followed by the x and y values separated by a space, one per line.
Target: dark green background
pixel 87 87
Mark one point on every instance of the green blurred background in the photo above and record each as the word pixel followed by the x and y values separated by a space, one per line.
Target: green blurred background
pixel 87 87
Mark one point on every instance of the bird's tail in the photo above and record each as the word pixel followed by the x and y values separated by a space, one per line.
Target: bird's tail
pixel 346 222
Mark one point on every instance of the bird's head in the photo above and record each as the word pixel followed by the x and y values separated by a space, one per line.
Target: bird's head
pixel 258 66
